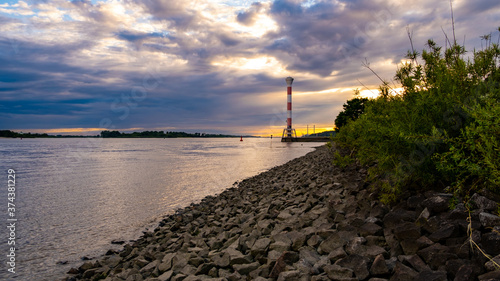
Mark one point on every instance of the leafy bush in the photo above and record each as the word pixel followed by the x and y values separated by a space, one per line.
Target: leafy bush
pixel 443 128
pixel 352 110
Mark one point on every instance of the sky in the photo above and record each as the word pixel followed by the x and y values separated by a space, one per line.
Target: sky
pixel 214 66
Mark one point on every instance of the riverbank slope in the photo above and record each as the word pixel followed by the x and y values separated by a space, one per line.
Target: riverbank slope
pixel 310 220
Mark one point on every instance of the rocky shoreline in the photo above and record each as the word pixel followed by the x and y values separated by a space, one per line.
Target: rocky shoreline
pixel 310 220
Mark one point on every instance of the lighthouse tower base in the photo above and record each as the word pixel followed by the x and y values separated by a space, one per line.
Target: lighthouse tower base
pixel 289 135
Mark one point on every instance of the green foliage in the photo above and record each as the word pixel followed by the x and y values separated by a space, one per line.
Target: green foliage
pixel 352 110
pixel 342 161
pixel 473 158
pixel 443 128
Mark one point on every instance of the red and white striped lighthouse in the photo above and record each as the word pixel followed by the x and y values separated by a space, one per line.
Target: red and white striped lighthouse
pixel 289 81
pixel 289 133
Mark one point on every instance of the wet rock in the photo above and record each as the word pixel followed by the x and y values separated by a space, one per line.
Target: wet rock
pixel 86 266
pixel 73 271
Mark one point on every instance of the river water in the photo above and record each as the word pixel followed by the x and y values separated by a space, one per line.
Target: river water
pixel 74 196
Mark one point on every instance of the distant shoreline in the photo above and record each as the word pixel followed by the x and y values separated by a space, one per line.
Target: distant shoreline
pixel 117 134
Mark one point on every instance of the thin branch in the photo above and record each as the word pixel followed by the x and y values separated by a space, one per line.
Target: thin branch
pixel 367 65
pixel 453 23
pixel 410 35
pixel 366 87
pixel 447 39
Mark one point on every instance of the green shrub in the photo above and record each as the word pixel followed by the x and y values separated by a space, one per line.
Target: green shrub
pixel 442 129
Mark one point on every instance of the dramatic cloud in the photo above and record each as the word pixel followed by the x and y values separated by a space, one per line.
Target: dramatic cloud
pixel 210 65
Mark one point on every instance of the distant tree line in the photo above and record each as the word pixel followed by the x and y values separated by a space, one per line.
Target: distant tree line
pixel 117 134
pixel 160 134
pixel 11 134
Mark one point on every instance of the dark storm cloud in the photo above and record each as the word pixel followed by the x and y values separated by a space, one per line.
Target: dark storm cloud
pixel 43 84
pixel 476 7
pixel 320 38
pixel 248 17
pixel 175 12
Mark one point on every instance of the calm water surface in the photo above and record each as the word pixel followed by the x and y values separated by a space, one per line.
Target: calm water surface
pixel 74 196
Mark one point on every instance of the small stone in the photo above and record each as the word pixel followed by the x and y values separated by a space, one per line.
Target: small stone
pixel 436 255
pixel 492 275
pixel 221 259
pixel 289 275
pixel 355 246
pixel 403 273
pixel 204 268
pixel 484 203
pixel 73 271
pixel 431 276
pixel 493 265
pixel 336 272
pixel 314 241
pixel 436 204
pixel 491 243
pixel 356 263
pixel 407 231
pixel 416 262
pixel 379 267
pixel 298 239
pixel 465 273
pixel 444 232
pixel 488 220
pixel 279 246
pixel 245 269
pixel 86 266
pixel 423 217
pixel 166 276
pixel 337 254
pixel 333 242
pixel 370 229
pixel 409 246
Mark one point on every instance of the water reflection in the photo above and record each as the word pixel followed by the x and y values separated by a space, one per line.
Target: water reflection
pixel 76 195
